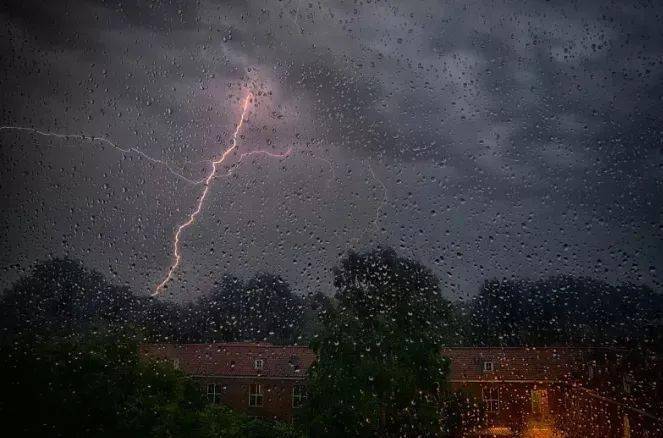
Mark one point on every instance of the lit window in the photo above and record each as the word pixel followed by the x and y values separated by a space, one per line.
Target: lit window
pixel 539 399
pixel 491 398
pixel 176 364
pixel 626 424
pixel 298 396
pixel 213 393
pixel 255 395
pixel 488 367
pixel 258 364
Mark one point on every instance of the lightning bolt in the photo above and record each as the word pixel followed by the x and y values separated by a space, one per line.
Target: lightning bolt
pixel 177 256
pixel 206 181
pixel 104 140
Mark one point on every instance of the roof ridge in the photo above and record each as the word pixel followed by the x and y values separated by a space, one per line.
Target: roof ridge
pixel 227 344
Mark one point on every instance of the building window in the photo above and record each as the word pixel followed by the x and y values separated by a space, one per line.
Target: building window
pixel 298 396
pixel 626 431
pixel 539 399
pixel 213 393
pixel 176 364
pixel 488 366
pixel 255 395
pixel 258 364
pixel 491 398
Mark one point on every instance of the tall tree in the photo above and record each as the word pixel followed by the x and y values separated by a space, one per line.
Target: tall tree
pixel 262 309
pixel 379 369
pixel 217 317
pixel 272 312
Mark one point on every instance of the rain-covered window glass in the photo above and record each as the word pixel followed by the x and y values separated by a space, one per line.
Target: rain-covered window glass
pixel 213 393
pixel 491 398
pixel 298 396
pixel 338 218
pixel 540 404
pixel 255 395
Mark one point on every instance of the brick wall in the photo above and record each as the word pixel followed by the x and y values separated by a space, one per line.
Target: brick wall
pixel 276 401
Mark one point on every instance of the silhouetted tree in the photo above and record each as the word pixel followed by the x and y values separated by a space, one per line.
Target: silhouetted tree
pixel 262 309
pixel 271 311
pixel 220 312
pixel 562 310
pixel 379 369
pixel 62 296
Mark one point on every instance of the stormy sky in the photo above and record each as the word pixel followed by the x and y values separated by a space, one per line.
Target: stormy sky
pixel 485 139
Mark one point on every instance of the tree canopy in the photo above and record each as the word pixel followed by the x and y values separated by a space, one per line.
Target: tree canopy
pixel 563 310
pixel 379 369
pixel 62 296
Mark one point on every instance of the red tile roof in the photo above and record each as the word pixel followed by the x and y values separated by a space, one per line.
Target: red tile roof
pixel 532 364
pixel 235 359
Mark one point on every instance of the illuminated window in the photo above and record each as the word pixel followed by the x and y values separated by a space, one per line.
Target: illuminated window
pixel 258 364
pixel 488 366
pixel 255 395
pixel 213 393
pixel 298 395
pixel 491 398
pixel 176 364
pixel 626 431
pixel 539 399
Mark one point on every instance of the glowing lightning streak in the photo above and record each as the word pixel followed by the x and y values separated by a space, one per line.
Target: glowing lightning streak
pixel 192 217
pixel 106 141
pixel 207 182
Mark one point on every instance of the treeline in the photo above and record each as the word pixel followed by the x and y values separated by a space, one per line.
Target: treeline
pixel 62 296
pixel 564 310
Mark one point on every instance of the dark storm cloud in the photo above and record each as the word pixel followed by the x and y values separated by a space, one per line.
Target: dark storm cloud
pixel 513 139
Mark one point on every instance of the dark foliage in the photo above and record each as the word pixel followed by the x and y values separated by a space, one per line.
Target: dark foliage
pixel 564 310
pixel 379 370
pixel 61 296
pixel 97 385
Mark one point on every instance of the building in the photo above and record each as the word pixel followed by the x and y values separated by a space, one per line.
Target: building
pixel 262 380
pixel 529 392
pixel 557 392
pixel 520 388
